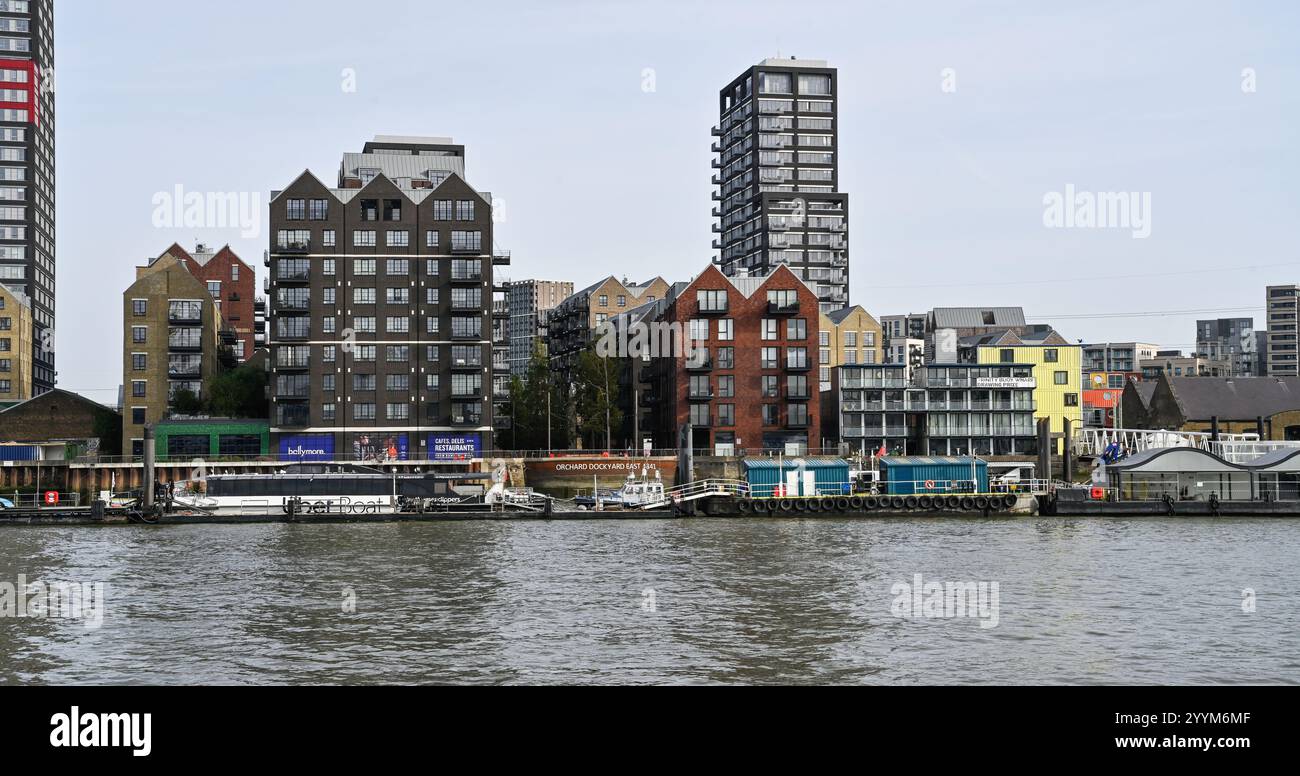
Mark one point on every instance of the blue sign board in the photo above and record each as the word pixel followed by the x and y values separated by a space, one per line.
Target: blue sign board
pixel 307 447
pixel 455 447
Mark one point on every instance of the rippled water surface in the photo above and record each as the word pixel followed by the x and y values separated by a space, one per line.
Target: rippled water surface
pixel 706 601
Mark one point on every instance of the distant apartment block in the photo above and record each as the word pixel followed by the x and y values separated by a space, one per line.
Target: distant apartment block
pixel 848 337
pixel 1280 308
pixel 1173 363
pixel 529 304
pixel 1230 339
pixel 572 324
pixel 778 200
pixel 1117 356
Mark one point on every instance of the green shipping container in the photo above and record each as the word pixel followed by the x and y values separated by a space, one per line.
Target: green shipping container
pixel 919 476
pixel 765 475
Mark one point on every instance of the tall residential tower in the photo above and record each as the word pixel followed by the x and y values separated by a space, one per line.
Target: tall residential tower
pixel 27 173
pixel 777 172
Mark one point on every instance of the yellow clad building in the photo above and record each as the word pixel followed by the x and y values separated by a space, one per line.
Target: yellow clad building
pixel 1058 370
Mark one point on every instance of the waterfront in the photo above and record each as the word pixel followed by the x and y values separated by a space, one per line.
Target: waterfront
pixel 700 601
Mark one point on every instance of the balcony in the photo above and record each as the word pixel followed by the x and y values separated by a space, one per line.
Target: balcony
pixel 293 416
pixel 697 365
pixel 500 309
pixel 798 394
pixel 471 276
pixel 782 308
pixel 798 365
pixel 500 258
pixel 716 308
pixel 294 246
pixel 467 419
pixel 466 249
pixel 798 423
pixel 502 423
pixel 292 276
pixel 701 396
pixel 705 422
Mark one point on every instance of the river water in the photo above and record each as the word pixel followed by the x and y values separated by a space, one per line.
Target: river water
pixel 668 602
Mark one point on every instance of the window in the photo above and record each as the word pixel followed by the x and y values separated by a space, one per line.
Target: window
pixel 1051 356
pixel 771 415
pixel 769 330
pixel 399 411
pixel 398 238
pixel 392 210
pixel 139 362
pixel 1062 378
pixel 363 383
pixel 363 412
pixel 797 358
pixel 431 239
pixel 797 414
pixel 234 273
pixel 296 210
pixel 364 324
pixel 139 307
pixel 328 412
pixel 398 267
pixel 363 296
pixel 467 241
pixel 771 358
pixel 398 383
pixel 604 300
pixel 137 416
pixel 700 387
pixel 726 415
pixel 796 329
pixel 363 267
pixel 328 295
pixel 139 334
pixel 327 267
pixel 727 387
pixel 726 358
pixel 395 325
pixel 1072 400
pixel 138 389
pixel 431 296
pixel 698 330
pixel 442 210
pixel 1008 356
pixel 397 354
pixel 363 238
pixel 712 301
pixel 726 330
pixel 369 210
pixel 318 209
pixel 465 210
pixel 328 238
pixel 400 296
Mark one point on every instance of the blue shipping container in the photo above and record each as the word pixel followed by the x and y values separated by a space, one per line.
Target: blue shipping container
pixel 20 453
pixel 918 476
pixel 764 475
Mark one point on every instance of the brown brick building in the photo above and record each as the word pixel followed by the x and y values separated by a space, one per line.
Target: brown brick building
pixel 233 287
pixel 754 384
pixel 170 343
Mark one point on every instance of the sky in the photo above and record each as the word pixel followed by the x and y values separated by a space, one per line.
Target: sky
pixel 589 123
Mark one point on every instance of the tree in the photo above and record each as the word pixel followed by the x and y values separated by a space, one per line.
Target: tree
pixel 239 393
pixel 596 401
pixel 529 411
pixel 185 402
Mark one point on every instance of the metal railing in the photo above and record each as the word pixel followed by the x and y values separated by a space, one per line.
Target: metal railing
pixel 38 500
pixel 1094 441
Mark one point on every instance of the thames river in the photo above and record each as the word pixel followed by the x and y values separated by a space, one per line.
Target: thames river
pixel 674 602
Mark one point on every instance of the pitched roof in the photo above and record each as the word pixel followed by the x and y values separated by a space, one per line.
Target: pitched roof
pixel 975 317
pixel 1242 398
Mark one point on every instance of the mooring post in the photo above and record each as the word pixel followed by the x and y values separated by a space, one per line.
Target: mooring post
pixel 150 444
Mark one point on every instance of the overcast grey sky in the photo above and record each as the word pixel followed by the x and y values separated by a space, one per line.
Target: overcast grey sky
pixel 599 175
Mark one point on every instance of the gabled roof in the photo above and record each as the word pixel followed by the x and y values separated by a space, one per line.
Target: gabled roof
pixel 59 393
pixel 1235 398
pixel 746 286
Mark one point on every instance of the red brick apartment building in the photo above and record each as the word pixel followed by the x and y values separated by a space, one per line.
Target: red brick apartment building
pixel 233 289
pixel 755 385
